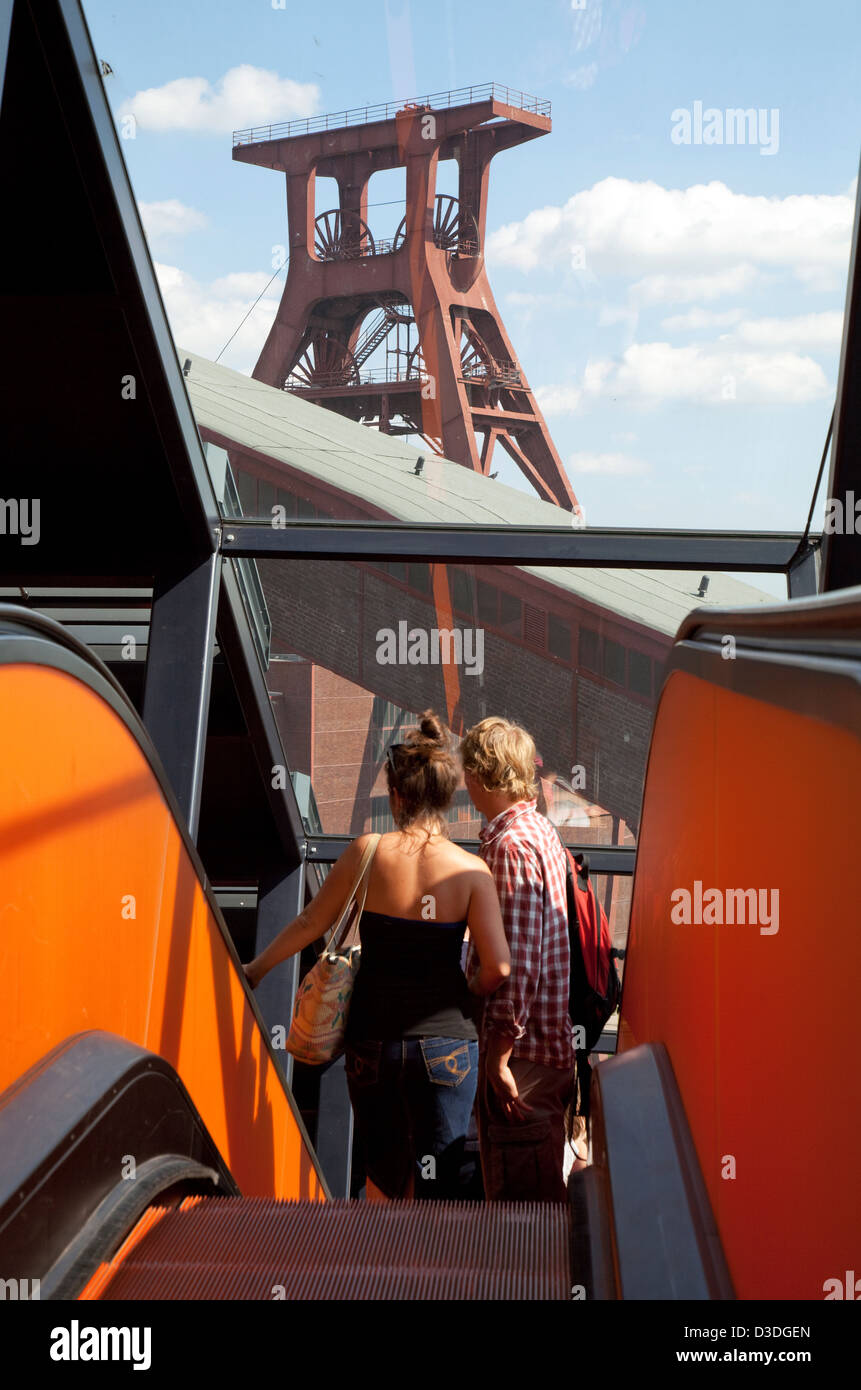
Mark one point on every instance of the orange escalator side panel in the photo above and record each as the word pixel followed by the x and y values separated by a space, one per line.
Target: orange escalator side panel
pixel 104 924
pixel 760 1025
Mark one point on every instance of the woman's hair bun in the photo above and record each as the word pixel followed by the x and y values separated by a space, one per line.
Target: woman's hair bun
pixel 432 728
pixel 426 771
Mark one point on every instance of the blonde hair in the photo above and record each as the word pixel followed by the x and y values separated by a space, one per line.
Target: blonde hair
pixel 501 756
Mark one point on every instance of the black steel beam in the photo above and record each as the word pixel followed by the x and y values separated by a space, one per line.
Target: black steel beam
pixel 603 859
pixel 6 8
pixel 179 676
pixel 841 551
pixel 515 545
pixel 281 898
pixel 803 575
pixel 334 1142
pixel 236 640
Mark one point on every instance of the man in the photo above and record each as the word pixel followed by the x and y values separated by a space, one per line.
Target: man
pixel 527 1053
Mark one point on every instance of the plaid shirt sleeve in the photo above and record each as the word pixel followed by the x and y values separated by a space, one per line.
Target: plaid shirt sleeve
pixel 519 881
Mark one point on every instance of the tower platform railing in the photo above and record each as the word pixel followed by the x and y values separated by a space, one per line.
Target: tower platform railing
pixel 386 111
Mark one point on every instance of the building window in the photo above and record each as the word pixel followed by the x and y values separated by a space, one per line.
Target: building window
pixel 287 500
pixel 639 673
pixel 614 662
pixel 558 637
pixel 265 497
pixel 589 649
pixel 461 591
pixel 419 578
pixel 246 486
pixel 487 603
pixel 510 614
pixel 305 510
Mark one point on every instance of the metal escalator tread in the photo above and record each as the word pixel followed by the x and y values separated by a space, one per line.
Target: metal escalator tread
pixel 260 1248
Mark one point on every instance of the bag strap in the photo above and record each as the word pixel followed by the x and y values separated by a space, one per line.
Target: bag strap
pixel 339 934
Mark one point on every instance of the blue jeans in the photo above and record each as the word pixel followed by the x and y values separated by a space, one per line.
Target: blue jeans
pixel 411 1102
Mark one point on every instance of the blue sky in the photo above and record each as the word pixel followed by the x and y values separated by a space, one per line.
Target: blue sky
pixel 676 306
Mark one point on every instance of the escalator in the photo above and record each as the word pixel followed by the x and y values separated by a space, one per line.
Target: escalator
pixel 153 1149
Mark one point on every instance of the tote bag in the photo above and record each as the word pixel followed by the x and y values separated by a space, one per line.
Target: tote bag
pixel 323 998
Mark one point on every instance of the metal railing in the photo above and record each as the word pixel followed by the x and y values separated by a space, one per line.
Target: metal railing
pixel 491 373
pixel 386 111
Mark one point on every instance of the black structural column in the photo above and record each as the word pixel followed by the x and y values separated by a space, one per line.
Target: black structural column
pixel 841 547
pixel 179 675
pixel 803 574
pixel 280 899
pixel 335 1129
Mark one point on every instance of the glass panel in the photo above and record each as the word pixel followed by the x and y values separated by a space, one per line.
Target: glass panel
pixel 418 577
pixel 488 602
pixel 510 613
pixel 558 637
pixel 266 498
pixel 639 673
pixel 590 649
pixel 357 654
pixel 614 661
pixel 246 486
pixel 462 590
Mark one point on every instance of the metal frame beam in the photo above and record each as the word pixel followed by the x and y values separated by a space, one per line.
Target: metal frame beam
pixel 179 675
pixel 281 897
pixel 841 552
pixel 803 575
pixel 236 640
pixel 603 859
pixel 771 552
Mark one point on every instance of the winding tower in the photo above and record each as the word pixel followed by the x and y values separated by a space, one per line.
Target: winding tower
pixel 404 333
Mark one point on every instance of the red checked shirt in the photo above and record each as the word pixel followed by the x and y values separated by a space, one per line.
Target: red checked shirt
pixel 524 854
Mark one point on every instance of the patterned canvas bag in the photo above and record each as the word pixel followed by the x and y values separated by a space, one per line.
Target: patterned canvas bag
pixel 323 998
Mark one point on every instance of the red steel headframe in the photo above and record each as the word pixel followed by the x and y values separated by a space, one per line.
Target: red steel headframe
pixel 462 378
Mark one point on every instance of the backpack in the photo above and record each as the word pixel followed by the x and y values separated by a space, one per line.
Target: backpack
pixel 594 991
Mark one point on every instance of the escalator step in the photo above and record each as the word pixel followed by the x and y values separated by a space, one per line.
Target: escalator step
pixel 259 1248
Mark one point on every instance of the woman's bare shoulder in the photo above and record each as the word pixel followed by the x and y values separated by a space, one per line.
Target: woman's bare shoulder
pixel 464 859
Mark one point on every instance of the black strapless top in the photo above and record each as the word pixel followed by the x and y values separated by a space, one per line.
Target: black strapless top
pixel 410 983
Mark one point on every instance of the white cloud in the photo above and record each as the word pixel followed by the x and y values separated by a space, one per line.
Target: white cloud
pixel 244 96
pixel 684 289
pixel 816 332
pixel 612 313
pixel 609 465
pixel 170 219
pixel 583 78
pixel 697 318
pixel 653 373
pixel 642 228
pixel 203 316
pixel 558 400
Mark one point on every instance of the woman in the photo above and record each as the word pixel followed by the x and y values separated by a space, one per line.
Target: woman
pixel 412 1042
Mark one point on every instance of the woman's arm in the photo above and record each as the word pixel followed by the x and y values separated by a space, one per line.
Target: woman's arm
pixel 317 918
pixel 488 934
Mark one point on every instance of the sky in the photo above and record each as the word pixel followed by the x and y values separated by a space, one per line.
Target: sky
pixel 674 296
